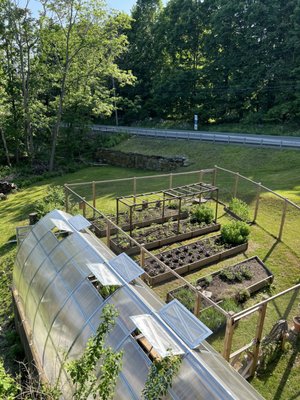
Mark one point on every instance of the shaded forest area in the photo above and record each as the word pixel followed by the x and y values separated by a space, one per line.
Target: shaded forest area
pixel 78 63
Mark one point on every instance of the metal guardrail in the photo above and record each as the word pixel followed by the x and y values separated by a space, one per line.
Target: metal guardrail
pixel 215 137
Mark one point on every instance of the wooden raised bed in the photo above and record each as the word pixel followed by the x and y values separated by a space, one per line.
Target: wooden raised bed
pixel 102 232
pixel 165 241
pixel 261 277
pixel 204 259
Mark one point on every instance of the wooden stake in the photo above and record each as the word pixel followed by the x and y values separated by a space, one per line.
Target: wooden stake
pixel 134 189
pixel 237 175
pixel 197 305
pixel 171 181
pixel 94 197
pixel 179 212
pixel 108 227
pixel 228 336
pixel 217 204
pixel 282 220
pixel 257 201
pixel 142 257
pixel 258 335
pixel 200 176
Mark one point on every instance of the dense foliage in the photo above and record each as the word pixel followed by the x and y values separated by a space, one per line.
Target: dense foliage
pixel 240 208
pixel 202 213
pixel 235 233
pixel 226 61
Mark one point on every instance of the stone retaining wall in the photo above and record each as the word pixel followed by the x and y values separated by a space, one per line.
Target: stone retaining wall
pixel 139 161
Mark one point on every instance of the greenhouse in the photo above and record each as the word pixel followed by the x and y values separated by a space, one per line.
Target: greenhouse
pixel 60 270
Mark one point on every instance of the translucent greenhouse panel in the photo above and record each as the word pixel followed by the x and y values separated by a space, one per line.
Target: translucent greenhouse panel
pixel 67 325
pixel 87 299
pixel 59 257
pixel 79 344
pixel 71 276
pixel 52 301
pixel 190 384
pixel 135 366
pixel 49 242
pixel 79 223
pixel 26 248
pixel 117 335
pixel 43 278
pixel 51 362
pixel 104 275
pixel 122 390
pixel 87 256
pixel 156 335
pixel 39 336
pixel 126 267
pixel 148 295
pixel 184 323
pixel 127 306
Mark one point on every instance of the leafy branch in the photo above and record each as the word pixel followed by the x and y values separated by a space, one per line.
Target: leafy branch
pixel 86 377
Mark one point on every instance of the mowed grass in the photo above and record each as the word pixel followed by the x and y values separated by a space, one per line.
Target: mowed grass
pixel 278 170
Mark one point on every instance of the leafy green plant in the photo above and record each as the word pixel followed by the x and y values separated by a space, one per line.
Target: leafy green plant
pixel 202 213
pixel 235 233
pixel 242 295
pixel 160 377
pixel 87 378
pixel 55 198
pixel 186 297
pixel 8 386
pixel 240 208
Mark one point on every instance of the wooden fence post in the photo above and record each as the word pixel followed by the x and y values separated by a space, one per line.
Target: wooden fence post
pixel 108 227
pixel 228 335
pixel 83 207
pixel 171 181
pixel 282 220
pixel 257 201
pixel 214 176
pixel 200 176
pixel 197 305
pixel 258 335
pixel 66 200
pixel 142 257
pixel 134 189
pixel 94 197
pixel 236 182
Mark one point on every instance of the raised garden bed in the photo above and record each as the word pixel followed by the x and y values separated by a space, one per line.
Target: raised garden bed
pixel 99 225
pixel 188 258
pixel 224 292
pixel 251 274
pixel 162 235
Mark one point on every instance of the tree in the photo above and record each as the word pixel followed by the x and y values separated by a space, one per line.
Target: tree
pixel 80 44
pixel 84 371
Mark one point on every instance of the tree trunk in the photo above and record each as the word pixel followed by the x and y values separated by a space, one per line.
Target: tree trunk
pixel 5 147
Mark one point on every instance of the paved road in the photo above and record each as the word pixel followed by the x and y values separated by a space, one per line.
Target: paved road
pixel 216 137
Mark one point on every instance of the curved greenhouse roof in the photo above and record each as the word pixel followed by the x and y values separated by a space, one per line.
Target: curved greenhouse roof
pixel 57 265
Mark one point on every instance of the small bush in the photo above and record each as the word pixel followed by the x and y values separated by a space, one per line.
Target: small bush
pixel 202 213
pixel 8 387
pixel 240 208
pixel 242 295
pixel 235 233
pixel 54 198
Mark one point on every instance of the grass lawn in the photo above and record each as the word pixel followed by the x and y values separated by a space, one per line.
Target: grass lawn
pixel 279 170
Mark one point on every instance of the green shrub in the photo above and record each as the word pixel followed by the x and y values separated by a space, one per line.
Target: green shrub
pixel 55 198
pixel 8 387
pixel 240 208
pixel 242 295
pixel 186 297
pixel 235 233
pixel 202 213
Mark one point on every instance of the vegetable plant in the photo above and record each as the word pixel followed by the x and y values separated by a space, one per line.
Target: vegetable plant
pixel 234 233
pixel 240 208
pixel 202 213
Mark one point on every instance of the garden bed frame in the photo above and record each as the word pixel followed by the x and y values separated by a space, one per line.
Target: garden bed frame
pixel 252 288
pixel 192 191
pixel 163 242
pixel 195 266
